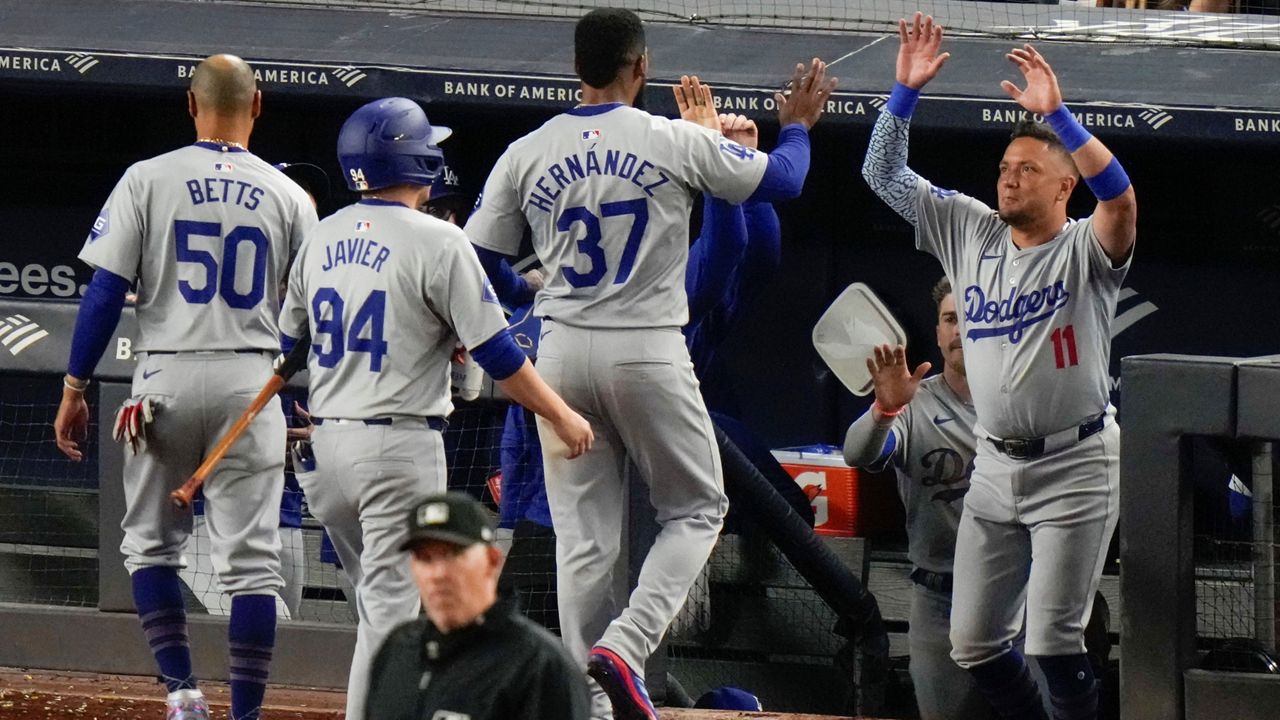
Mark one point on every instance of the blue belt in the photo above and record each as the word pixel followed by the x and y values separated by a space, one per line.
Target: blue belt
pixel 434 422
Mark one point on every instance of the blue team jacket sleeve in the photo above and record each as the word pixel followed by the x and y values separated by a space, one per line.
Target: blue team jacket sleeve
pixel 99 314
pixel 764 247
pixel 511 289
pixel 714 255
pixel 788 165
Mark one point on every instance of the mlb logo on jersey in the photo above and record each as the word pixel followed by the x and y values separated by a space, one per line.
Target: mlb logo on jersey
pixel 588 135
pixel 223 167
pixel 363 226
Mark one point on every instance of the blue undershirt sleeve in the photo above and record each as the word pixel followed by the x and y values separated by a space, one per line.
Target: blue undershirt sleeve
pixel 499 356
pixel 96 322
pixel 788 165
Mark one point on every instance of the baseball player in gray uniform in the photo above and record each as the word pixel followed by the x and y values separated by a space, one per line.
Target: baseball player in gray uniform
pixel 606 189
pixel 1038 292
pixel 384 291
pixel 923 428
pixel 206 231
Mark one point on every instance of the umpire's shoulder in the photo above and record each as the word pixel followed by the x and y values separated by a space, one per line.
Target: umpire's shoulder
pixel 540 645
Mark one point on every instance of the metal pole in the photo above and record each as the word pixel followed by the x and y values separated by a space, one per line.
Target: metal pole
pixel 1264 547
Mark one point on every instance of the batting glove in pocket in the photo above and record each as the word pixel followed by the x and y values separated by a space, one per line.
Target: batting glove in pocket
pixel 131 423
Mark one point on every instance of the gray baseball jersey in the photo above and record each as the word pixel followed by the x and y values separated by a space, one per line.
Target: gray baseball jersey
pixel 384 290
pixel 1036 321
pixel 933 457
pixel 607 191
pixel 207 232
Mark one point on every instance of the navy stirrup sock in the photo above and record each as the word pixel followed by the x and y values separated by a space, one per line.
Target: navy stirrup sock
pixel 1007 684
pixel 251 636
pixel 1072 686
pixel 157 593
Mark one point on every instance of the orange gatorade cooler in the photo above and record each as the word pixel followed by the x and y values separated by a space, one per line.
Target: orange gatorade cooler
pixel 841 507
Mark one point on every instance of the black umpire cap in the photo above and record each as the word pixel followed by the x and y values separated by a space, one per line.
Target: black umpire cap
pixel 451 517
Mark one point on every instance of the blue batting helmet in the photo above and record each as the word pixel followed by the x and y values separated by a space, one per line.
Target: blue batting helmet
pixel 389 142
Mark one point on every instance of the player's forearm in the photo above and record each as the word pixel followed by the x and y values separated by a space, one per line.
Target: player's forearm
pixel 885 166
pixel 869 442
pixel 96 322
pixel 527 388
pixel 788 165
pixel 764 241
pixel 1115 220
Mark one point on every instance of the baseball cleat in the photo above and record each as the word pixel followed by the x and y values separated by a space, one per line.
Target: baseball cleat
pixel 623 686
pixel 186 705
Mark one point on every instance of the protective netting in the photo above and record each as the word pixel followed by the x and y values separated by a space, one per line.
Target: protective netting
pixel 1237 546
pixel 1197 22
pixel 48 506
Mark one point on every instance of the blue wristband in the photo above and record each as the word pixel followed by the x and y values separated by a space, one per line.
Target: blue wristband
pixel 902 101
pixel 1071 133
pixel 1110 183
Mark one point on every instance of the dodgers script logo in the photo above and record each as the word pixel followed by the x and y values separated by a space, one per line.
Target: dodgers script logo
pixel 1018 310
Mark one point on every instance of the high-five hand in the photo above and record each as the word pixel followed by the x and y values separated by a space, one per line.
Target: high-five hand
pixel 918 58
pixel 1042 94
pixel 695 102
pixel 740 129
pixel 808 96
pixel 894 382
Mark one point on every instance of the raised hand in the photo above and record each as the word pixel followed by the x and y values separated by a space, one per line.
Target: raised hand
pixel 809 91
pixel 1042 94
pixel 918 58
pixel 740 129
pixel 895 384
pixel 695 102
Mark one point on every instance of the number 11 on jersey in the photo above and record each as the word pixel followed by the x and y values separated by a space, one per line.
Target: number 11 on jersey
pixel 1064 347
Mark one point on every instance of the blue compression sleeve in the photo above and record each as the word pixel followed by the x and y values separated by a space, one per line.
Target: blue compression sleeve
pixel 287 342
pixel 511 289
pixel 96 322
pixel 499 356
pixel 788 165
pixel 885 168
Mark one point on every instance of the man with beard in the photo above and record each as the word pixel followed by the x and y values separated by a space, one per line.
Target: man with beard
pixel 1039 292
pixel 924 429
pixel 606 190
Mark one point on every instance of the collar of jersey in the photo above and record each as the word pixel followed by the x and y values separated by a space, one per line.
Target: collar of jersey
pixel 588 110
pixel 380 201
pixel 219 147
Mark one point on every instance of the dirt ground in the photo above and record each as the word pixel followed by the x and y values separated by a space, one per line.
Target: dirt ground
pixel 53 695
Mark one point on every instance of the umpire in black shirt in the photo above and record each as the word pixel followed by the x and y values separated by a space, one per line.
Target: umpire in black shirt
pixel 473 656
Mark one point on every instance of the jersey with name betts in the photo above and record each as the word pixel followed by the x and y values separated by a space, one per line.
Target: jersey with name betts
pixel 607 190
pixel 1036 322
pixel 933 459
pixel 385 291
pixel 207 231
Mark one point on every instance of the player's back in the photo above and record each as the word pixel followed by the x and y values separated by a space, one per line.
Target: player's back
pixel 607 191
pixel 376 279
pixel 207 233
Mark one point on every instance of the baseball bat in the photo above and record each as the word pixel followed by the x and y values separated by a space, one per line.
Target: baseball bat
pixel 293 362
